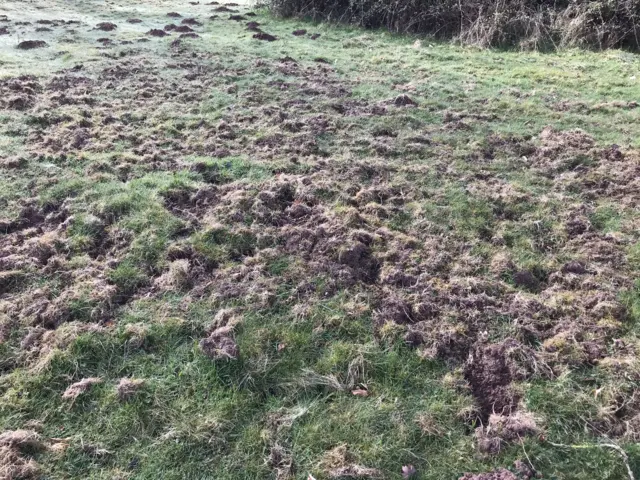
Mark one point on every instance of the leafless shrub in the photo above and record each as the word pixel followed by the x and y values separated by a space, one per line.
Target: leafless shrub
pixel 528 24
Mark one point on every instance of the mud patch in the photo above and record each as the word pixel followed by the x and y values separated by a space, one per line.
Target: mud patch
pixel 490 377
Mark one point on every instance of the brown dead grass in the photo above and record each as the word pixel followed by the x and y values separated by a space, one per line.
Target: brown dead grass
pixel 128 387
pixel 75 390
pixel 14 449
pixel 504 429
pixel 339 463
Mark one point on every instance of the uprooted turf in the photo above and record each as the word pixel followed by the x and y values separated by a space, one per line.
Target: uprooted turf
pixel 231 251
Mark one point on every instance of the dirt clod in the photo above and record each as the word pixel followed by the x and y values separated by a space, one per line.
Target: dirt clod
pixel 575 267
pixel 265 37
pixel 504 429
pixel 15 446
pixel 219 346
pixel 31 44
pixel 154 32
pixel 299 33
pixel 10 279
pixel 526 279
pixel 21 439
pixel 404 101
pixel 13 162
pixel 106 26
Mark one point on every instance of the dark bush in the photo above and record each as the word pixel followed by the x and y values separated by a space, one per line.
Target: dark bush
pixel 527 24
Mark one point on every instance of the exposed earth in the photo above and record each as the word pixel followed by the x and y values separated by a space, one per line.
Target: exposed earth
pixel 233 246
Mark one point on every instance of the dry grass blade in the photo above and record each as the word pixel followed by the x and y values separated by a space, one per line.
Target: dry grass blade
pixel 617 448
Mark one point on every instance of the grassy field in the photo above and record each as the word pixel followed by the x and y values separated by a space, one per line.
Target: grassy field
pixel 337 254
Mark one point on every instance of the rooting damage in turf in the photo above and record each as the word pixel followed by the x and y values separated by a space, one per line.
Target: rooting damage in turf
pixel 330 252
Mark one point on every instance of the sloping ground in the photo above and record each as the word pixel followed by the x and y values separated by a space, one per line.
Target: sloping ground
pixel 234 247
